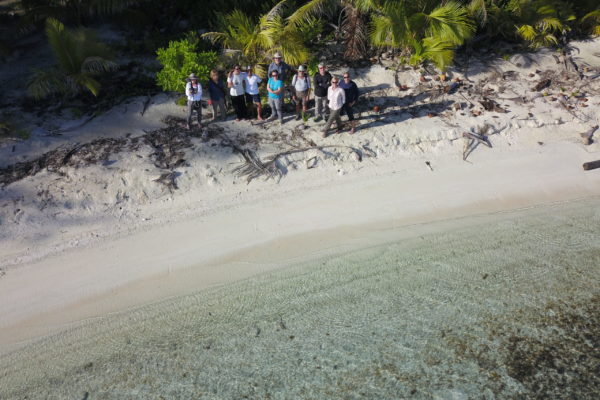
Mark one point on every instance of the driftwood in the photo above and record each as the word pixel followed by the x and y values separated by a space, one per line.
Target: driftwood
pixel 254 167
pixel 587 135
pixel 146 104
pixel 473 140
pixel 591 165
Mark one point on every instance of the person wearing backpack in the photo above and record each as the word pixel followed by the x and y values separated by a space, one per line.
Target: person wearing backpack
pixel 193 92
pixel 321 82
pixel 301 84
pixel 216 93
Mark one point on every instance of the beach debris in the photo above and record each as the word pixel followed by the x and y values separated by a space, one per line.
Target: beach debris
pixel 543 84
pixel 587 135
pixel 473 140
pixel 490 105
pixel 312 162
pixel 281 323
pixel 168 179
pixel 146 104
pixel 591 165
pixel 429 165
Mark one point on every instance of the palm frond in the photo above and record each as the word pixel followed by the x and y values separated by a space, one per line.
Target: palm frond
pixel 450 23
pixel 311 9
pixel 43 83
pixel 97 65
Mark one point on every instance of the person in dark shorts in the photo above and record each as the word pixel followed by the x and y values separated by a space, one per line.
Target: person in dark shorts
pixel 252 97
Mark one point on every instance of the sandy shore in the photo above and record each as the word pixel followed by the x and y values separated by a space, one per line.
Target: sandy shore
pixel 164 261
pixel 93 238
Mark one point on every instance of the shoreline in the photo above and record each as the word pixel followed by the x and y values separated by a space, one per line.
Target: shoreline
pixel 129 271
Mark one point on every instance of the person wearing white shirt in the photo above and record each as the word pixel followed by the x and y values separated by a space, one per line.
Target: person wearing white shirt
pixel 301 84
pixel 252 96
pixel 235 83
pixel 336 97
pixel 193 91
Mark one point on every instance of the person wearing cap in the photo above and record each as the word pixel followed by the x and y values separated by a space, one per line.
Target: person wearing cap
pixel 336 97
pixel 252 96
pixel 280 66
pixel 301 84
pixel 193 92
pixel 216 94
pixel 235 83
pixel 351 92
pixel 275 89
pixel 321 82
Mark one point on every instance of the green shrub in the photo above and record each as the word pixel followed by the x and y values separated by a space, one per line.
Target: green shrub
pixel 181 59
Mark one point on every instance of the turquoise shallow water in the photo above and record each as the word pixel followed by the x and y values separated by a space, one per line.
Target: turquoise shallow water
pixel 503 306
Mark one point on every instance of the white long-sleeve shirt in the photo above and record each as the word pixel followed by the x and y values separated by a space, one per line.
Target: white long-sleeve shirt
pixel 336 97
pixel 193 96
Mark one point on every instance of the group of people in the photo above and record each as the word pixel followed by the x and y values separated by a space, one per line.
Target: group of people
pixel 332 96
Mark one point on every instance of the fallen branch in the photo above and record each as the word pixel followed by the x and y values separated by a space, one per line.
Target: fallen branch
pixel 591 165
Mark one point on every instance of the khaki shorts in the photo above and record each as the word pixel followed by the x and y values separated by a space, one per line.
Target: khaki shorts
pixel 302 97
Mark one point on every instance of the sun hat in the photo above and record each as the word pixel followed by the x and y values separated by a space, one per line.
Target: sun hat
pixel 192 76
pixel 249 67
pixel 277 55
pixel 301 68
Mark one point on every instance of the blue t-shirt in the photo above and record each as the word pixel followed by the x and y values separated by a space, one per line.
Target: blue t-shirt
pixel 274 85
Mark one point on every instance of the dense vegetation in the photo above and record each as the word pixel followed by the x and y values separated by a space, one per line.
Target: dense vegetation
pixel 417 31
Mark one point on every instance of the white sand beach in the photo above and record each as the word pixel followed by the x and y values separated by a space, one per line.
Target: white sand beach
pixel 97 239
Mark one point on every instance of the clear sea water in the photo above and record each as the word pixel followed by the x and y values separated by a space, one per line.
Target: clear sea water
pixel 492 307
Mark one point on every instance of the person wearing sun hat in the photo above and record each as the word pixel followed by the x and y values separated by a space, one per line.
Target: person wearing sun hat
pixel 301 84
pixel 278 65
pixel 193 92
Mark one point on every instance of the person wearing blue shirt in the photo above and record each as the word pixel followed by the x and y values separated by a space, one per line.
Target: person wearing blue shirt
pixel 351 92
pixel 275 89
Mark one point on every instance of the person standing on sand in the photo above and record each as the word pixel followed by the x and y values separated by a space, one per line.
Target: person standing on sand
pixel 336 97
pixel 301 84
pixel 321 82
pixel 235 83
pixel 252 96
pixel 351 92
pixel 275 89
pixel 193 91
pixel 280 66
pixel 216 93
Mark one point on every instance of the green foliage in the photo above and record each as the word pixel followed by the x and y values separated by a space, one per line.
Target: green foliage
pixel 179 60
pixel 253 42
pixel 353 19
pixel 80 58
pixel 426 30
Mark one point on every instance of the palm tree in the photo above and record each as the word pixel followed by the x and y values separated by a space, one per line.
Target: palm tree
pixel 255 41
pixel 543 22
pixel 79 59
pixel 353 25
pixel 424 30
